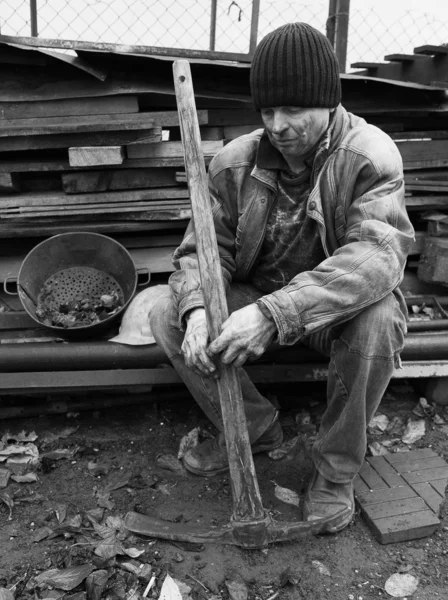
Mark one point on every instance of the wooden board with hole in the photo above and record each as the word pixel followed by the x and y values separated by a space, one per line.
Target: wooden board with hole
pixel 400 494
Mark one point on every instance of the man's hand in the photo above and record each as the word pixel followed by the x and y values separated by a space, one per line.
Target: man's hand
pixel 195 344
pixel 245 334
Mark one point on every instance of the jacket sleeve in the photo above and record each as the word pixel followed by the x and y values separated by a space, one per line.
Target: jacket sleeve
pixel 185 282
pixel 370 261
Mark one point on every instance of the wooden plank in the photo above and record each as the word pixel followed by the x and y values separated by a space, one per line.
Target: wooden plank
pixel 433 264
pixel 431 49
pixel 405 506
pixel 168 149
pixel 431 496
pixel 48 227
pixel 371 477
pixel 86 156
pixel 424 202
pixel 147 212
pixel 16 320
pixel 89 123
pixel 157 260
pixel 419 464
pixel 385 495
pixel 234 117
pixel 69 107
pixel 82 182
pixel 41 199
pixel 46 142
pixel 385 471
pixel 9 182
pixel 35 211
pixel 232 132
pixel 427 475
pixel 398 457
pixel 414 150
pixel 405 58
pixel 403 528
pixel 61 164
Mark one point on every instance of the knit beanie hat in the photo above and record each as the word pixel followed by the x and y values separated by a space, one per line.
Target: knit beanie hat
pixel 295 65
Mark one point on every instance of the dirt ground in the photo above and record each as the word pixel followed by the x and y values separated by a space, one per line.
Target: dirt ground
pixel 106 463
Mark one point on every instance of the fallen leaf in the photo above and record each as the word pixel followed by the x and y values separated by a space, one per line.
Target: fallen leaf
pixel 29 451
pixel 54 437
pixel 414 431
pixel 61 512
pixel 284 449
pixel 378 424
pixel 27 478
pixel 115 522
pixel 60 454
pixel 377 449
pixel 41 534
pixel 6 499
pixel 184 589
pixel 423 408
pixel 286 495
pixel 116 481
pixel 20 437
pixel 437 420
pixel 171 463
pixel 401 585
pixel 109 547
pixel 5 474
pixel 96 468
pixel 6 594
pixel 95 513
pixel 323 570
pixel 96 583
pixel 170 590
pixel 237 589
pixel 191 440
pixel 65 579
pixel 396 426
pixel 52 595
pixel 134 552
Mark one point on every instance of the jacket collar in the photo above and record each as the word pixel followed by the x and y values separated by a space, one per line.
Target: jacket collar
pixel 269 160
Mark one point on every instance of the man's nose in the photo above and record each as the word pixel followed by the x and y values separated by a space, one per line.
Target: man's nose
pixel 279 123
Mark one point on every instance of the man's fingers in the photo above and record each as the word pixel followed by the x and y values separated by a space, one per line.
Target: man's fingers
pixel 240 360
pixel 219 344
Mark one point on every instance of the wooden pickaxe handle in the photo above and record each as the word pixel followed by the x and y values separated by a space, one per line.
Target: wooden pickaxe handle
pixel 247 502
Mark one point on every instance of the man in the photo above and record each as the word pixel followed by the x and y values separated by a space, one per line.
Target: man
pixel 313 235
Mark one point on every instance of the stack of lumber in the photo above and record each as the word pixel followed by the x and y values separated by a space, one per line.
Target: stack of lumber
pixel 91 141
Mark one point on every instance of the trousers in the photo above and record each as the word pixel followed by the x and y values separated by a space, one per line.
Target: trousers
pixel 363 353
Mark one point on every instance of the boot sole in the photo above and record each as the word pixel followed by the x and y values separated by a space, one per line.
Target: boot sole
pixel 344 517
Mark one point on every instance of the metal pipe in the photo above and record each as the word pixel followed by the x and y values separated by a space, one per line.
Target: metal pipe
pixel 330 25
pixel 77 356
pixel 33 18
pixel 213 25
pixel 254 26
pixel 91 356
pixel 433 325
pixel 341 33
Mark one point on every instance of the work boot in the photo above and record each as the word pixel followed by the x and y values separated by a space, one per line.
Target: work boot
pixel 210 457
pixel 327 499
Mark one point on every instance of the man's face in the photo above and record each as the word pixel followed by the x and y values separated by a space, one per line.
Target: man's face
pixel 295 131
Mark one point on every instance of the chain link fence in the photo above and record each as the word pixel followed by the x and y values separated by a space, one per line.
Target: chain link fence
pixel 373 31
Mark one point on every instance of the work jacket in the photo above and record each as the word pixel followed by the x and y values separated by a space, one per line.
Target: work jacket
pixel 357 200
